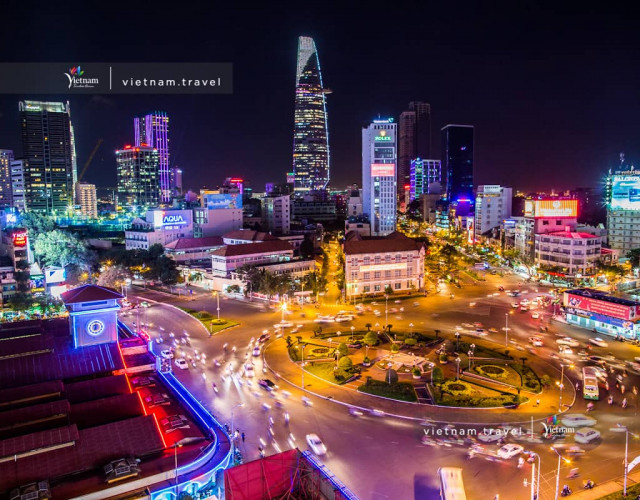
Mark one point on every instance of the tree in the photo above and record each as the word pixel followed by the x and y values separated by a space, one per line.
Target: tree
pixel 345 363
pixel 391 377
pixel 114 277
pixel 164 269
pixel 410 341
pixel 394 348
pixel 634 257
pixel 389 327
pixel 343 350
pixel 437 374
pixel 36 223
pixel 306 247
pixel 58 248
pixel 388 290
pixel 370 338
pixel 368 326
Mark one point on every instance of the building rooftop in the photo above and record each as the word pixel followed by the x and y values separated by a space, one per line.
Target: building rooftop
pixel 573 235
pixel 275 245
pixel 394 242
pixel 599 295
pixel 248 235
pixel 89 293
pixel 191 243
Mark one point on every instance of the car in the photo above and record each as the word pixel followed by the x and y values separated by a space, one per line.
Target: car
pixel 166 354
pixel 493 330
pixel 377 413
pixel 515 305
pixel 256 351
pixel 467 325
pixel 599 342
pixel 568 341
pixel 565 350
pixel 586 435
pixel 536 341
pixel 510 450
pixel 316 444
pixel 144 304
pixel 501 289
pixel 524 302
pixel 249 370
pixel 489 437
pixel 306 401
pixel 355 412
pixel 342 319
pixel 472 304
pixel 283 324
pixel 267 384
pixel 264 337
pixel 577 420
pixel 535 315
pixel 182 364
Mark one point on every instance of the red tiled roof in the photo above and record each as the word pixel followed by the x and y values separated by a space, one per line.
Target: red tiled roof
pixel 253 248
pixel 189 243
pixel 89 293
pixel 394 242
pixel 248 235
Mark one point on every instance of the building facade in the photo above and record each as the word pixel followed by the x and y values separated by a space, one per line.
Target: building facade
pixel 310 133
pixel 276 214
pixel 425 178
pixel 6 157
pixel 574 253
pixel 49 152
pixel 138 176
pixel 87 200
pixel 414 137
pixel 17 184
pixel 457 160
pixel 159 226
pixel 152 130
pixel 379 156
pixel 317 211
pixel 493 205
pixel 227 259
pixel 623 210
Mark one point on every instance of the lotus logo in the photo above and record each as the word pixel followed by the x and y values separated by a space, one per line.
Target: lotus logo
pixel 76 80
pixel 76 71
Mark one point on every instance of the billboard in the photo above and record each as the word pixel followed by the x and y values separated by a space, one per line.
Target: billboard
pixel 551 208
pixel 383 170
pixel 625 192
pixel 167 218
pixel 603 307
pixel 19 238
pixel 215 201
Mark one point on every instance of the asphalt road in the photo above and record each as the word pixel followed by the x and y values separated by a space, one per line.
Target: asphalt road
pixel 383 457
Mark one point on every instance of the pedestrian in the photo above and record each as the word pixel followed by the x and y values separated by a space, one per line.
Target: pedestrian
pixel 243 437
pixel 577 386
pixel 537 402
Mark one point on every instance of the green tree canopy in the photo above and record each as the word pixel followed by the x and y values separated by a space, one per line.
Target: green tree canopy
pixel 59 248
pixel 345 363
pixel 343 349
pixel 370 338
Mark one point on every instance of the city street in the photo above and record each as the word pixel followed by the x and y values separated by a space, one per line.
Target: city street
pixel 382 457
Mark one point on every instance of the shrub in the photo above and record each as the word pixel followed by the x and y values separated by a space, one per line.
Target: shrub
pixel 366 360
pixel 289 341
pixel 410 341
pixel 343 349
pixel 371 338
pixel 416 371
pixel 345 363
pixel 391 377
pixel 443 357
pixel 395 348
pixel 203 315
pixel 437 374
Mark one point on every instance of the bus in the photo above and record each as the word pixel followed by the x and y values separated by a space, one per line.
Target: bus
pixel 590 383
pixel 451 485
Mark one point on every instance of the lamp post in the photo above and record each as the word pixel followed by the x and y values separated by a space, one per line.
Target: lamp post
pixel 432 366
pixel 535 482
pixel 560 458
pixel 217 296
pixel 457 368
pixel 625 429
pixel 506 329
pixel 302 365
pixel 411 329
pixel 470 356
pixel 284 308
pixel 561 385
pixel 176 445
pixel 457 334
pixel 352 329
pixel 386 310
pixel 233 439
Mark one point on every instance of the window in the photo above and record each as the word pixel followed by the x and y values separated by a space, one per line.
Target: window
pixel 397 286
pixel 376 288
pixel 367 275
pixel 398 258
pixel 387 258
pixel 545 222
pixel 366 260
pixel 377 259
pixel 376 274
pixel 354 261
pixel 366 289
pixel 398 273
pixel 387 274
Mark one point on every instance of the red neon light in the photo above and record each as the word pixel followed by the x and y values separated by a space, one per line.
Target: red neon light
pixel 128 146
pixel 125 367
pixel 164 443
pixel 19 239
pixel 137 149
pixel 236 179
pixel 144 408
pixel 407 187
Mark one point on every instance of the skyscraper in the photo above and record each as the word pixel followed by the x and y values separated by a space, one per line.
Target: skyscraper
pixel 86 197
pixel 379 175
pixel 414 137
pixel 425 178
pixel 310 132
pixel 153 130
pixel 48 151
pixel 457 158
pixel 138 183
pixel 6 157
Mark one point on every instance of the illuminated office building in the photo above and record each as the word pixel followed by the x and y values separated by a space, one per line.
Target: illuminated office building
pixel 310 134
pixel 379 155
pixel 87 200
pixel 414 137
pixel 6 157
pixel 623 210
pixel 425 177
pixel 457 159
pixel 48 151
pixel 138 181
pixel 153 130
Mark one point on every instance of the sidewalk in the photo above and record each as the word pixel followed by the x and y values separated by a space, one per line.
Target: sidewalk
pixel 607 488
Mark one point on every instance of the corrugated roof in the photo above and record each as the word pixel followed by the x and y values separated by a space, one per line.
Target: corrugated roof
pixel 89 293
pixel 102 387
pixel 190 243
pixel 106 410
pixel 253 248
pixel 29 394
pixel 23 416
pixel 38 441
pixel 248 235
pixel 394 242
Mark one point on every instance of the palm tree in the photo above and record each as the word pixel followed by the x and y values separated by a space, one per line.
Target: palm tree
pixel 368 326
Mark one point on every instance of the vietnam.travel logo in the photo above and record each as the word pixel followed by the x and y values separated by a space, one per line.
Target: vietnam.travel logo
pixel 77 80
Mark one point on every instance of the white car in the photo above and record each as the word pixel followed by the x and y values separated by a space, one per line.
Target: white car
pixel 166 354
pixel 565 350
pixel 536 341
pixel 472 304
pixel 342 319
pixel 283 324
pixel 510 450
pixel 182 364
pixel 306 401
pixel 316 444
pixel 248 370
pixel 577 420
pixel 489 437
pixel 515 305
pixel 256 351
pixel 535 315
pixel 586 435
pixel 599 342
pixel 568 341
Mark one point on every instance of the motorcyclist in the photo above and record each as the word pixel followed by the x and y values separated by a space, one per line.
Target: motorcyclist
pixel 610 401
pixel 624 403
pixel 566 490
pixel 589 484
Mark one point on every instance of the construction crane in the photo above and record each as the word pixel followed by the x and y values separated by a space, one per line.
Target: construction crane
pixel 88 162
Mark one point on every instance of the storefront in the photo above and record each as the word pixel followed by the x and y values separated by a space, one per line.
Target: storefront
pixel 602 313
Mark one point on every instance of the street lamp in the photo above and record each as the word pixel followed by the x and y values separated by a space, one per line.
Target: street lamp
pixel 560 458
pixel 432 366
pixel 470 356
pixel 561 384
pixel 457 368
pixel 302 365
pixel 352 329
pixel 625 429
pixel 411 329
pixel 217 296
pixel 506 329
pixel 233 439
pixel 535 483
pixel 457 334
pixel 284 308
pixel 176 445
pixel 386 310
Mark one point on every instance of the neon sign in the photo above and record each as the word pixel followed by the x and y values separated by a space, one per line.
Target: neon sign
pixel 383 169
pixel 173 220
pixel 19 239
pixel 383 138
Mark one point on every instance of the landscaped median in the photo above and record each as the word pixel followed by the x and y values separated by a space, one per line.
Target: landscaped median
pixel 401 391
pixel 213 325
pixel 466 394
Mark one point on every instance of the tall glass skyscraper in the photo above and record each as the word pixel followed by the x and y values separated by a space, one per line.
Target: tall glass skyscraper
pixel 379 156
pixel 138 183
pixel 310 133
pixel 49 152
pixel 457 159
pixel 153 130
pixel 414 141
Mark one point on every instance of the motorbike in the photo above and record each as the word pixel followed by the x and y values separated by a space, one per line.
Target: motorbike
pixel 566 491
pixel 588 484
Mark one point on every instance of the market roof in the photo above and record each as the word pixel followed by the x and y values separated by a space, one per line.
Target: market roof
pixel 394 242
pixel 599 295
pixel 89 293
pixel 248 235
pixel 190 243
pixel 275 245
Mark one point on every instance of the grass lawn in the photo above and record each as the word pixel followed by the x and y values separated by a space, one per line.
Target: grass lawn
pixel 530 379
pixel 311 352
pixel 498 372
pixel 632 491
pixel 325 371
pixel 213 324
pixel 467 394
pixel 402 391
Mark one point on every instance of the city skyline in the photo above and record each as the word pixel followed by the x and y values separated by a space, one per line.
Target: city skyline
pixel 519 123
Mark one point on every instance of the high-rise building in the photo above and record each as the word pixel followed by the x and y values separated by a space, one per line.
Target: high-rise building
pixel 493 205
pixel 17 184
pixel 414 137
pixel 457 159
pixel 176 181
pixel 86 198
pixel 48 150
pixel 138 181
pixel 6 157
pixel 623 209
pixel 310 133
pixel 276 214
pixel 379 156
pixel 153 130
pixel 425 178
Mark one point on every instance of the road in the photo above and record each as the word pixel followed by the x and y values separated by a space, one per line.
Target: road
pixel 383 457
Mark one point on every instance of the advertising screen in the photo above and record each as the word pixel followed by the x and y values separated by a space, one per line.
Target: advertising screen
pixel 551 208
pixel 164 218
pixel 383 170
pixel 625 192
pixel 19 239
pixel 214 201
pixel 603 307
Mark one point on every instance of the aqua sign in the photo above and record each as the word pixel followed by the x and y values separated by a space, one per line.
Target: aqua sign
pixel 173 220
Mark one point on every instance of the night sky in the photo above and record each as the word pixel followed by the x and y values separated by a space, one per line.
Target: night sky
pixel 553 90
